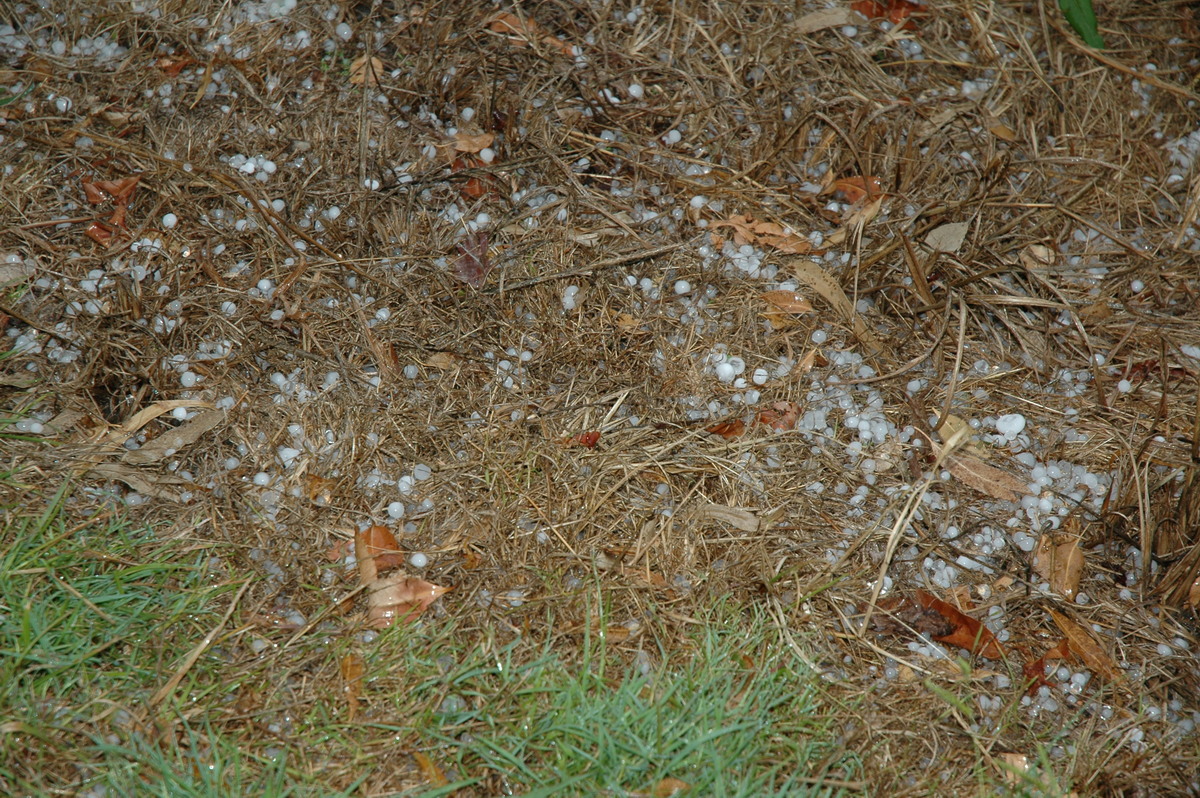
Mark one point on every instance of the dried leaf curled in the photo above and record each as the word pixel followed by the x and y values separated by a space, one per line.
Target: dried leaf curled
pixel 473 264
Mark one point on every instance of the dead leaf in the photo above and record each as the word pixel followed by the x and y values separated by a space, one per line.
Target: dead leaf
pixel 781 416
pixel 319 489
pixel 815 277
pixel 1037 256
pixel 1001 131
pixel 974 473
pixel 968 633
pixel 145 483
pixel 897 12
pixel 399 597
pixel 670 786
pixel 473 264
pixel 737 517
pixel 352 668
pixel 429 769
pixel 171 441
pixel 734 428
pixel 787 301
pixel 444 361
pixel 1059 560
pixel 364 71
pixel 827 18
pixel 376 550
pixel 1015 767
pixel 172 65
pixel 856 222
pixel 522 33
pixel 473 143
pixel 1085 646
pixel 947 237
pixel 588 440
pixel 853 189
pixel 746 230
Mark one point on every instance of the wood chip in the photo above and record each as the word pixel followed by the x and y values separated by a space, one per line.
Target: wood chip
pixel 1085 646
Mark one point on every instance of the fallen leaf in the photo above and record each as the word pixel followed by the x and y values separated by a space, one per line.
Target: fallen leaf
pixel 586 439
pixel 947 237
pixel 670 786
pixel 1014 767
pixel 172 65
pixel 473 264
pixel 319 489
pixel 1037 256
pixel 443 360
pixel 364 71
pixel 171 441
pixel 1001 131
pixel 100 232
pixel 988 479
pixel 399 597
pixel 746 230
pixel 352 668
pixel 734 428
pixel 815 277
pixel 781 416
pixel 1085 646
pixel 968 633
pixel 376 548
pixel 787 301
pixel 826 18
pixel 1059 560
pixel 736 517
pixel 853 189
pixel 473 142
pixel 122 190
pixel 522 33
pixel 894 11
pixel 429 769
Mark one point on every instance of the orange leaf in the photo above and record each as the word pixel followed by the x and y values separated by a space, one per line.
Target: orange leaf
pixel 728 429
pixel 670 786
pixel 895 11
pixel 99 232
pixel 787 301
pixel 172 65
pixel 746 230
pixel 968 633
pixel 352 668
pixel 585 439
pixel 429 769
pixel 93 193
pixel 853 189
pixel 120 190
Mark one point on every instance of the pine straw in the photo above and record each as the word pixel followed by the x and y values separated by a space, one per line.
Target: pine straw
pixel 502 469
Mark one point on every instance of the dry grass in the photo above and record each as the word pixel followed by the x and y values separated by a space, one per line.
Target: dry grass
pixel 1061 141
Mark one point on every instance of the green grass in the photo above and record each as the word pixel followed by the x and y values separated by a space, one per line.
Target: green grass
pixel 93 619
pixel 736 715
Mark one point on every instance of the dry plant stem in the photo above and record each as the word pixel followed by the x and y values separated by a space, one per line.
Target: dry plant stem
pixel 620 260
pixel 902 519
pixel 165 691
pixel 962 337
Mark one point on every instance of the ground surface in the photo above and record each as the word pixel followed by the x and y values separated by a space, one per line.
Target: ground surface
pixel 658 333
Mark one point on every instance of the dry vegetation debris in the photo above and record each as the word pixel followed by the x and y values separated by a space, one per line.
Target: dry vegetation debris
pixel 531 287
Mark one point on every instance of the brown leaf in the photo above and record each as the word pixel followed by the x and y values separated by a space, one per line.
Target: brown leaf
pixel 746 230
pixel 1059 560
pixel 120 190
pixel 352 668
pixel 364 71
pixel 522 33
pixel 473 264
pixel 825 18
pixel 399 597
pixel 100 232
pixel 473 143
pixel 974 473
pixel 93 194
pixel 787 301
pixel 781 416
pixel 173 440
pixel 172 65
pixel 1085 646
pixel 968 633
pixel 376 550
pixel 670 786
pixel 901 616
pixel 815 277
pixel 736 517
pixel 896 12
